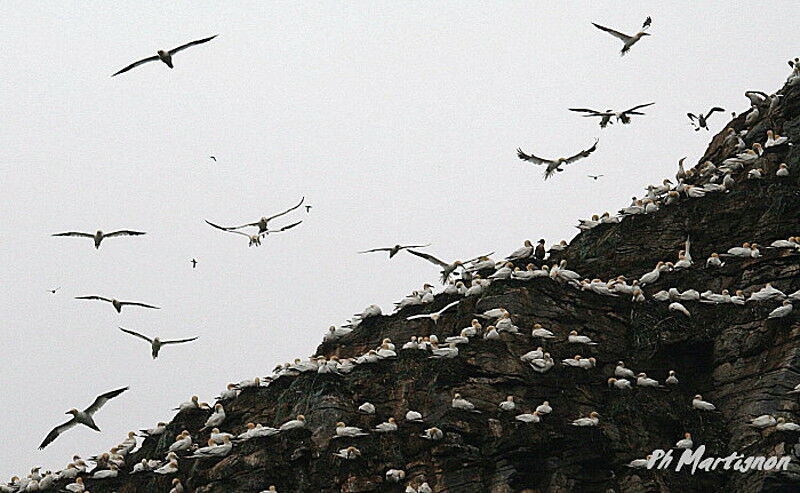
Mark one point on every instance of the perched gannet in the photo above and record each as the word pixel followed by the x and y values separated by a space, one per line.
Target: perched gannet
pixel 543 364
pixel 592 420
pixel 677 307
pixel 447 269
pixel 627 41
pixel 685 442
pixel 334 333
pixel 792 242
pixel 544 408
pixel 76 487
pixel 99 236
pixel 183 441
pixel 782 171
pixel 577 339
pixel 508 404
pixel 699 403
pixel 783 425
pixel 342 430
pixel 782 311
pixel 169 468
pixel 462 338
pixel 395 249
pixel 449 352
pixel 191 404
pixel 217 436
pixel 156 343
pixel 774 140
pixel 524 252
pixel 767 293
pixel 503 272
pixel 671 379
pixel 299 422
pixel 642 380
pixel 435 316
pixel 701 119
pixel 395 475
pixel 459 402
pixel 491 333
pixel 217 417
pixel 622 372
pixel 165 56
pixel 255 239
pixel 348 453
pixel 554 165
pixel 106 473
pixel 714 261
pixel 605 116
pixel 414 416
pixel 532 355
pixel 755 174
pixel 533 417
pixel 763 421
pixel 82 417
pixel 213 450
pixel 386 427
pixel 433 433
pixel 539 331
pixel 177 487
pixel 619 383
pixel 639 463
pixel 366 408
pixel 652 276
pixel 116 303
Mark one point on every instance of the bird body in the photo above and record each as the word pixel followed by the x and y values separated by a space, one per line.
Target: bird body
pixel 554 165
pixel 627 41
pixel 164 56
pixel 84 417
pixel 155 343
pixel 99 236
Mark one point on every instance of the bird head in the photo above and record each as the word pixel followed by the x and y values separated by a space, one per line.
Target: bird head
pixel 72 411
pixel 162 52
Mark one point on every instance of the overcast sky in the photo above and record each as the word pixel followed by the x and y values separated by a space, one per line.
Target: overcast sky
pixel 397 121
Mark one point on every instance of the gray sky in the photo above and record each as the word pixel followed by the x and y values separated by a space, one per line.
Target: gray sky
pixel 398 122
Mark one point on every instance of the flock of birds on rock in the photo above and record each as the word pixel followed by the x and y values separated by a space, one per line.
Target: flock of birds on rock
pixel 476 275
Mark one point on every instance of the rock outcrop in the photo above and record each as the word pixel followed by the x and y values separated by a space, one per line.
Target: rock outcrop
pixel 733 355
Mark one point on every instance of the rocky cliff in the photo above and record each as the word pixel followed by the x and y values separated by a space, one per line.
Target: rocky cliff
pixel 733 355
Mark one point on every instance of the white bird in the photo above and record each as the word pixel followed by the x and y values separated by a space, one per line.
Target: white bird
pixel 554 165
pixel 106 473
pixel 82 417
pixel 642 380
pixel 414 416
pixel 217 417
pixel 156 343
pixel 435 315
pixel 459 402
pixel 99 236
pixel 433 434
pixel 169 468
pixel 342 430
pixel 622 372
pixel 348 453
pixel 628 41
pixel 782 170
pixel 639 463
pixel 782 311
pixel 183 441
pixel 395 249
pixel 165 55
pixel 508 404
pixel 577 339
pixel 395 475
pixel 699 403
pixel 677 307
pixel 529 417
pixel 671 379
pixel 254 239
pixel 449 352
pixel 491 333
pixel 686 442
pixel 366 408
pixel 767 293
pixel 592 420
pixel 763 421
pixel 782 425
pixel 539 331
pixel 299 422
pixel 774 139
pixel 544 408
pixel 619 383
pixel 386 427
pixel 116 303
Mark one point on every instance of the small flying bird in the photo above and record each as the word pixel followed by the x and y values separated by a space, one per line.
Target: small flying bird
pixel 395 249
pixel 194 263
pixel 595 177
pixel 165 56
pixel 99 236
pixel 701 119
pixel 605 116
pixel 308 209
pixel 447 269
pixel 255 240
pixel 81 417
pixel 117 303
pixel 53 291
pixel 627 41
pixel 554 165
pixel 214 158
pixel 156 343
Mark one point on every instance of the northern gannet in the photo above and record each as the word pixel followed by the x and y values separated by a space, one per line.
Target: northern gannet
pixel 685 442
pixel 671 379
pixel 639 463
pixel 677 307
pixel 503 272
pixel 165 56
pixel 560 247
pixel 156 343
pixel 774 140
pixel 592 420
pixel 782 311
pixel 524 252
pixel 642 380
pixel 627 41
pixel 253 240
pixel 619 383
pixel 299 422
pixel 700 120
pixel 414 416
pixel 342 430
pixel 622 372
pixel 577 339
pixel 782 170
pixel 433 433
pixel 169 468
pixel 539 331
pixel 763 421
pixel 544 408
pixel 792 242
pixel 395 475
pixel 395 249
pixel 554 165
pixel 387 426
pixel 116 303
pixel 543 364
pixel 533 417
pixel 111 472
pixel 213 450
pixel 217 417
pixel 508 404
pixel 348 453
pixel 435 315
pixel 767 293
pixel 449 352
pixel 82 417
pixel 783 425
pixel 177 487
pixel 99 236
pixel 217 436
pixel 699 403
pixel 190 404
pixel 459 402
pixel 714 261
pixel 366 408
pixel 605 116
pixel 76 487
pixel 447 269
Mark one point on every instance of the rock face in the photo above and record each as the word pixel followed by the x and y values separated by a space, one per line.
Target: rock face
pixel 733 355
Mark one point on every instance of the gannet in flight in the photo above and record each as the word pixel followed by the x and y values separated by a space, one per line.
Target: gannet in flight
pixel 447 269
pixel 156 343
pixel 395 249
pixel 81 417
pixel 595 177
pixel 436 315
pixel 554 165
pixel 165 56
pixel 627 41
pixel 99 236
pixel 53 291
pixel 117 303
pixel 605 116
pixel 263 223
pixel 255 240
pixel 701 119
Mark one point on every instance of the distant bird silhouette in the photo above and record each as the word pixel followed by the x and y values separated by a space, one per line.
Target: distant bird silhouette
pixel 194 263
pixel 627 41
pixel 99 236
pixel 214 158
pixel 605 116
pixel 116 303
pixel 700 120
pixel 54 290
pixel 595 177
pixel 81 417
pixel 554 165
pixel 308 208
pixel 156 343
pixel 395 249
pixel 165 56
